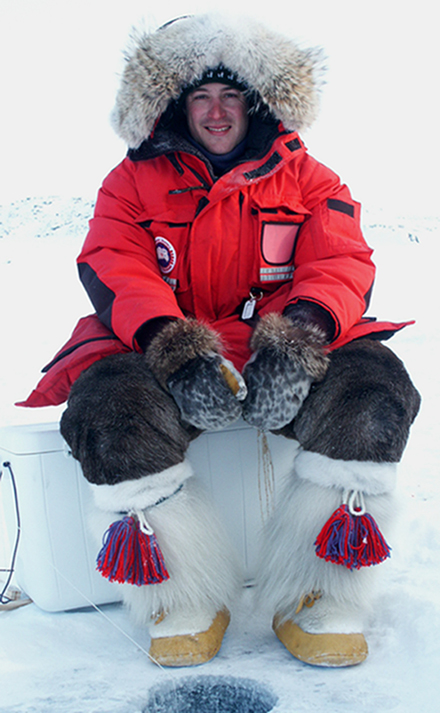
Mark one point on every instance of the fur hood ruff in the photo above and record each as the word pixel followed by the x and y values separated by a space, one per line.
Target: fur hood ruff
pixel 161 64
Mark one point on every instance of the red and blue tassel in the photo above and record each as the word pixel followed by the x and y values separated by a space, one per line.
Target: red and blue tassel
pixel 131 554
pixel 351 537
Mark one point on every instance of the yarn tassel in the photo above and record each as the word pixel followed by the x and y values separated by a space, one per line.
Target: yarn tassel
pixel 351 537
pixel 131 554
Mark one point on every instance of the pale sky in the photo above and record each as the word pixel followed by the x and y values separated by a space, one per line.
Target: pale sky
pixel 378 127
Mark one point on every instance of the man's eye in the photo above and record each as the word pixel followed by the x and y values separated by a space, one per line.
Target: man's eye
pixel 232 96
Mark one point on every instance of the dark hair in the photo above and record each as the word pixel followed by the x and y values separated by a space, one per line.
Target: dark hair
pixel 221 75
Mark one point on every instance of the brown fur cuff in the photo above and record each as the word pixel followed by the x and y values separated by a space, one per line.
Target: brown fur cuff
pixel 303 344
pixel 176 344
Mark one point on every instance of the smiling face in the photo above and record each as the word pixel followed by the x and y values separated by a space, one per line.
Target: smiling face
pixel 217 117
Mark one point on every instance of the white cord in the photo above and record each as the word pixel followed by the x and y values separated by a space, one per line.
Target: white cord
pixel 144 525
pixel 354 499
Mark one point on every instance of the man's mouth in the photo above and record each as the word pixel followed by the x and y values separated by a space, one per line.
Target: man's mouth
pixel 217 129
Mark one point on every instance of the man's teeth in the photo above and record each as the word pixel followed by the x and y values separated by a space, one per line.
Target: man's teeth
pixel 218 131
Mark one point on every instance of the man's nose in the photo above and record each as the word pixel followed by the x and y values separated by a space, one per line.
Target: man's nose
pixel 216 110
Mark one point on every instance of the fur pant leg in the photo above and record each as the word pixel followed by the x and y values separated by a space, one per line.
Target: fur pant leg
pixel 121 424
pixel 363 409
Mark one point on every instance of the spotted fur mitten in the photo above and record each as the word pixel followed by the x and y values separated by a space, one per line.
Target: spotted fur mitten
pixel 286 359
pixel 186 359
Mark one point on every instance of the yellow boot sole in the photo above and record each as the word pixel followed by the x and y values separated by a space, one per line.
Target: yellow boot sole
pixel 191 649
pixel 321 649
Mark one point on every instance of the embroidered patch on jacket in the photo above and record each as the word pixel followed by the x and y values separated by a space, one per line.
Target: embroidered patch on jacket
pixel 166 254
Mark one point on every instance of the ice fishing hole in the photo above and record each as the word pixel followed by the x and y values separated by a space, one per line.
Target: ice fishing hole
pixel 211 694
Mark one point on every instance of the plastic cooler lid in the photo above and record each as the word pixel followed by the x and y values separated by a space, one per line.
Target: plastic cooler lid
pixel 28 439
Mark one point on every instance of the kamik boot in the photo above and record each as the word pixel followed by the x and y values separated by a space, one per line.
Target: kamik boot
pixel 331 525
pixel 161 540
pixel 184 594
pixel 316 572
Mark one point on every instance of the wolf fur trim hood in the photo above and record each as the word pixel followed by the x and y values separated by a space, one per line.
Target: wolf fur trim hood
pixel 161 64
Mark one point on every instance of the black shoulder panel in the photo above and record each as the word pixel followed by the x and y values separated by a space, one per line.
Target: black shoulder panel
pixel 101 296
pixel 340 206
pixel 266 168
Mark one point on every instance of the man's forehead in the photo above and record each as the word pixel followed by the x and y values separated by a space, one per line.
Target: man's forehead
pixel 215 87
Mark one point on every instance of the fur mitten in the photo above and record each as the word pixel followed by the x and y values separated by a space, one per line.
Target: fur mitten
pixel 286 359
pixel 186 359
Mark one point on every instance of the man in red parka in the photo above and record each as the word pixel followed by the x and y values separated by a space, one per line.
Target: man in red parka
pixel 231 266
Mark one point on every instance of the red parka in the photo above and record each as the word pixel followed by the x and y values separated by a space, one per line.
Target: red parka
pixel 167 240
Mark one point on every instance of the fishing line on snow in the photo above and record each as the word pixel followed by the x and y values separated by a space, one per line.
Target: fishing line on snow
pixel 10 570
pixel 99 610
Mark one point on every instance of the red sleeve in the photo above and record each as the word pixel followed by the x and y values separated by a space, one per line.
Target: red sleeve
pixel 333 266
pixel 118 264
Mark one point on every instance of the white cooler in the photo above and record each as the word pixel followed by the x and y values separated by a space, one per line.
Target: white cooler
pixel 56 557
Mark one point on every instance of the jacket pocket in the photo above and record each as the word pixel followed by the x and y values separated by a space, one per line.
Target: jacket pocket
pixel 277 234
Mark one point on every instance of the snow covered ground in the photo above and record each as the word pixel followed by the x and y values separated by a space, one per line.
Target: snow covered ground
pixel 95 661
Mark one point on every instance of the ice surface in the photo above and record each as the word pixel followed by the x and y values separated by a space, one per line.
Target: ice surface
pixel 211 694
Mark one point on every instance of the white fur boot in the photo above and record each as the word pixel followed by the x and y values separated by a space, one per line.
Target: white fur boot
pixel 188 613
pixel 319 607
